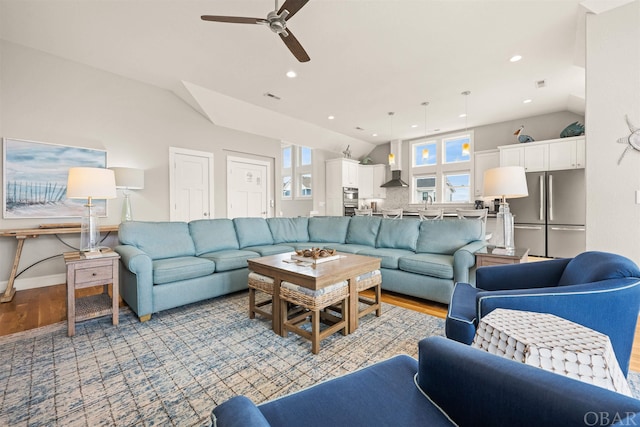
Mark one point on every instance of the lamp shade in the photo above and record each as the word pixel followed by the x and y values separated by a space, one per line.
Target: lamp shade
pixel 97 183
pixel 129 178
pixel 508 182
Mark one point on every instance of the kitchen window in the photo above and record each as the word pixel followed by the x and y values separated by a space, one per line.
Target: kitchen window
pixel 441 168
pixel 297 163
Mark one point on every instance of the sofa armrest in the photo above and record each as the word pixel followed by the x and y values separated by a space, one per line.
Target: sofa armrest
pixel 464 258
pixel 136 282
pixel 521 276
pixel 239 411
pixel 477 388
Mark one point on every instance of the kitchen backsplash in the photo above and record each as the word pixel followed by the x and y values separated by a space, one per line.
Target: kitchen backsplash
pixel 399 197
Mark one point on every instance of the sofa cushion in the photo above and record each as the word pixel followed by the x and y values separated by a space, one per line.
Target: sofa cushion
pixel 181 268
pixel 232 259
pixel 266 250
pixel 158 239
pixel 594 266
pixel 252 232
pixel 448 235
pixel 211 235
pixel 350 248
pixel 434 265
pixel 363 230
pixel 286 230
pixel 398 234
pixel 328 229
pixel 388 257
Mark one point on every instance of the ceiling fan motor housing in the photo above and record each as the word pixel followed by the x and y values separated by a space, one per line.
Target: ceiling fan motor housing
pixel 278 23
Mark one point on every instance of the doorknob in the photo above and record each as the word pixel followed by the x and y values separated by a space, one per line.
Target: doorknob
pixel 205 214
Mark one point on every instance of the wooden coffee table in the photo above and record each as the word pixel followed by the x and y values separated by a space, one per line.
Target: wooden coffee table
pixel 314 277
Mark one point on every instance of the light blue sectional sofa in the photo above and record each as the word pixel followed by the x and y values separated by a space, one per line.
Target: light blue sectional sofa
pixel 169 264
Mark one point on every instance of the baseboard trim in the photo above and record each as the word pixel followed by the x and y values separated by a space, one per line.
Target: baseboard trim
pixel 35 282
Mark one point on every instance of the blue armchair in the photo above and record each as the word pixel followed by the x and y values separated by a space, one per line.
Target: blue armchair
pixel 596 289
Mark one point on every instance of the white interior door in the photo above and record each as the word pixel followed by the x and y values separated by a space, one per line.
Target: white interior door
pixel 191 182
pixel 247 188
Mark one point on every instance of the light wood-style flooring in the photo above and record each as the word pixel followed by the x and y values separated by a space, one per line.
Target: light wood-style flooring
pixel 43 306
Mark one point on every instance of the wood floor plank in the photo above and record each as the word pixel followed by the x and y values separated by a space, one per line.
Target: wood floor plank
pixel 33 308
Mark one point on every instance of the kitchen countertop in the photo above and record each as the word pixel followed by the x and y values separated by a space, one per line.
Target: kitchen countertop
pixel 412 213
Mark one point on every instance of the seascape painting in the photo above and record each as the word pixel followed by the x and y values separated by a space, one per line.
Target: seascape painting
pixel 35 179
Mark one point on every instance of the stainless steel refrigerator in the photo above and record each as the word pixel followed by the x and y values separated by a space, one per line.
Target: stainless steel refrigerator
pixel 551 220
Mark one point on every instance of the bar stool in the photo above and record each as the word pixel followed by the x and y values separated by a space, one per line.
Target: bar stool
pixel 314 303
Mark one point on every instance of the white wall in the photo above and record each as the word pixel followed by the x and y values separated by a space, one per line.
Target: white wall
pixel 613 90
pixel 48 99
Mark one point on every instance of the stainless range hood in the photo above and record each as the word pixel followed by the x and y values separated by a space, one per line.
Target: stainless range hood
pixel 396 180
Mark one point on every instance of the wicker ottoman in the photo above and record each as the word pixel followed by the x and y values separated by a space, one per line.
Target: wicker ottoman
pixel 313 304
pixel 553 344
pixel 259 282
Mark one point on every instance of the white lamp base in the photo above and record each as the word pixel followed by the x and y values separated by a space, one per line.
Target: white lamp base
pixel 126 208
pixel 504 229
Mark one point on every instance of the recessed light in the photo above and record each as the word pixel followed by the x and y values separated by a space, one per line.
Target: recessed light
pixel 414 126
pixel 374 134
pixel 515 58
pixel 526 101
pixel 291 74
pixel 462 116
pixel 331 117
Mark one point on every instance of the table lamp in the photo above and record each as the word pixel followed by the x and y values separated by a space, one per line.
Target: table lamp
pixel 508 182
pixel 90 183
pixel 128 179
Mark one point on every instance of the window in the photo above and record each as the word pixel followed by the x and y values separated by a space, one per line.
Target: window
pixel 425 187
pixel 442 169
pixel 286 187
pixel 457 187
pixel 297 175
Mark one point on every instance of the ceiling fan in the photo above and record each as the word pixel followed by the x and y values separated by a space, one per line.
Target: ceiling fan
pixel 277 22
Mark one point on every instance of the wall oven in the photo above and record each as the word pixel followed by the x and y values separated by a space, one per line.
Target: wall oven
pixel 349 200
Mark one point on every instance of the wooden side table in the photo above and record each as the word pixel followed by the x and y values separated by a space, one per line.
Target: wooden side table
pixel 88 272
pixel 491 255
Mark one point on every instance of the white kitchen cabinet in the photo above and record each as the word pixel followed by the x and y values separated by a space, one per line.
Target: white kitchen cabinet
pixel 533 156
pixel 341 173
pixel 365 179
pixel 568 153
pixel 370 178
pixel 379 178
pixel 483 160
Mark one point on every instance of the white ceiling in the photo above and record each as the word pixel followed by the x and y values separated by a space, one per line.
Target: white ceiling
pixel 368 57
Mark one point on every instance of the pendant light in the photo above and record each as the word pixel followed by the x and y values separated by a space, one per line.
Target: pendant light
pixel 392 156
pixel 466 147
pixel 425 151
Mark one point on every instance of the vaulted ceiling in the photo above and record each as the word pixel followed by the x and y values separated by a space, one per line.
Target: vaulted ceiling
pixel 368 58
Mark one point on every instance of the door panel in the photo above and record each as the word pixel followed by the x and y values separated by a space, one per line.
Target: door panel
pixel 247 189
pixel 531 236
pixel 565 241
pixel 567 198
pixel 530 209
pixel 191 190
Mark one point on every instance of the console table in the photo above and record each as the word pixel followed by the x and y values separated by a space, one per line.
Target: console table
pixel 27 233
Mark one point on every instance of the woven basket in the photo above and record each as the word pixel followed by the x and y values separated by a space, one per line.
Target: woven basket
pixel 311 302
pixel 260 285
pixel 369 282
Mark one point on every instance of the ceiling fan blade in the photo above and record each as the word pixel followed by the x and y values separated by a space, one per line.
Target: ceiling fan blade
pixel 294 46
pixel 293 6
pixel 234 19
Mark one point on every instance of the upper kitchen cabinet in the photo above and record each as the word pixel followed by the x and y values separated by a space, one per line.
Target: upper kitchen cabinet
pixel 483 160
pixel 341 173
pixel 532 156
pixel 567 153
pixel 554 154
pixel 370 178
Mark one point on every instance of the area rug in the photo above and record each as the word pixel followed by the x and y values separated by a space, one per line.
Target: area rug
pixel 175 368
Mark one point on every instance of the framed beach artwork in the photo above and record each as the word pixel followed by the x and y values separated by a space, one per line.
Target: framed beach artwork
pixel 35 179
